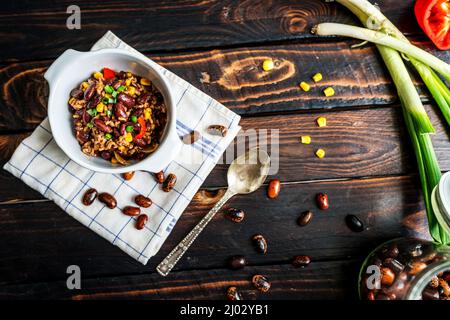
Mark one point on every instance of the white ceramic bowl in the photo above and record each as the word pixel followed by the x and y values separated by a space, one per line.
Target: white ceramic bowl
pixel 72 68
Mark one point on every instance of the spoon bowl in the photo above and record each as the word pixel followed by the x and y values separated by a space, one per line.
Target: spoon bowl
pixel 248 171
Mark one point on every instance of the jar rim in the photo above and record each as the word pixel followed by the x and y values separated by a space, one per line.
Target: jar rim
pixel 423 279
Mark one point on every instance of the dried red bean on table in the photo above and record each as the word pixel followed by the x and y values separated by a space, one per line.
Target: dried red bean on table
pixel 261 283
pixel 354 223
pixel 322 201
pixel 131 211
pixel 89 196
pixel 108 200
pixel 159 177
pixel 141 221
pixel 237 262
pixel 260 243
pixel 169 182
pixel 233 294
pixel 235 215
pixel 217 130
pixel 273 189
pixel 305 218
pixel 301 261
pixel 142 201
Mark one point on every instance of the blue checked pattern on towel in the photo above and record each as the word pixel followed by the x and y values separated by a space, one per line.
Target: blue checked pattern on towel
pixel 43 166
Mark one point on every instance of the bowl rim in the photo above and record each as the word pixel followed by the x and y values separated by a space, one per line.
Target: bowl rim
pixel 170 129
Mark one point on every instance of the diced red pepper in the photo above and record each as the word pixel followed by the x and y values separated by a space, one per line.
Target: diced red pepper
pixel 141 133
pixel 108 73
pixel 433 17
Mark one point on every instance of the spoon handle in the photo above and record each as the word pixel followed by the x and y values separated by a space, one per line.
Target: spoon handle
pixel 175 255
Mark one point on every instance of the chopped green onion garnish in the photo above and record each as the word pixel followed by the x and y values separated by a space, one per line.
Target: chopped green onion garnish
pixel 109 112
pixel 109 89
pixel 134 119
pixel 111 100
pixel 108 136
pixel 129 128
pixel 90 125
pixel 114 94
pixel 92 112
pixel 121 88
pixel 105 100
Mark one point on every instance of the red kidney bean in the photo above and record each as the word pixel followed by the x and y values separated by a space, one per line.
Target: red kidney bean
pixel 141 221
pixel 107 155
pixel 354 223
pixel 100 124
pixel 120 110
pixel 261 283
pixel 89 196
pixel 305 218
pixel 136 127
pixel 108 200
pixel 108 81
pixel 143 98
pixel 143 201
pixel 235 215
pixel 233 294
pixel 128 175
pixel 301 261
pixel 116 133
pixel 83 137
pixel 139 155
pixel 322 201
pixel 89 92
pixel 122 75
pixel 86 117
pixel 131 211
pixel 94 101
pixel 159 176
pixel 139 142
pixel 387 276
pixel 217 130
pixel 126 99
pixel 260 243
pixel 169 182
pixel 237 262
pixel 274 188
pixel 76 93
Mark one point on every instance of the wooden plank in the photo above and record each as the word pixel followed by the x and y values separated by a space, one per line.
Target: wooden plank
pixel 320 280
pixel 361 143
pixel 236 79
pixel 40 26
pixel 39 241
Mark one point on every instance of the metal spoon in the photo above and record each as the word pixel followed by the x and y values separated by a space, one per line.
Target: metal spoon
pixel 245 175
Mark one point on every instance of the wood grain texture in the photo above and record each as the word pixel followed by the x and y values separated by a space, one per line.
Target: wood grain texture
pixel 235 78
pixel 167 25
pixel 39 241
pixel 319 280
pixel 361 143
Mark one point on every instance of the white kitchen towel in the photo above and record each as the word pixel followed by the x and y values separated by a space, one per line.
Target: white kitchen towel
pixel 43 166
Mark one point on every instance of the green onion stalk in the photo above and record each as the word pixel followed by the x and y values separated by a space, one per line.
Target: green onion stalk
pixel 416 119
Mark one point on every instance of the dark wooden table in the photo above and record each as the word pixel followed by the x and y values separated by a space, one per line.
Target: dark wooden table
pixel 369 169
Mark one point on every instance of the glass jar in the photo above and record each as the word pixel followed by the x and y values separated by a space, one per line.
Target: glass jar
pixel 406 269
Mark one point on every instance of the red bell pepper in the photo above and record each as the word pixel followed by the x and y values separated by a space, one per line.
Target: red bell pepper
pixel 141 133
pixel 108 73
pixel 433 17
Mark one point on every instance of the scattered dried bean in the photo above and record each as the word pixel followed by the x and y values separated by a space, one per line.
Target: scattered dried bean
pixel 322 201
pixel 131 211
pixel 143 201
pixel 108 200
pixel 261 283
pixel 235 215
pixel 305 218
pixel 169 182
pixel 89 196
pixel 128 175
pixel 273 189
pixel 260 243
pixel 141 221
pixel 217 130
